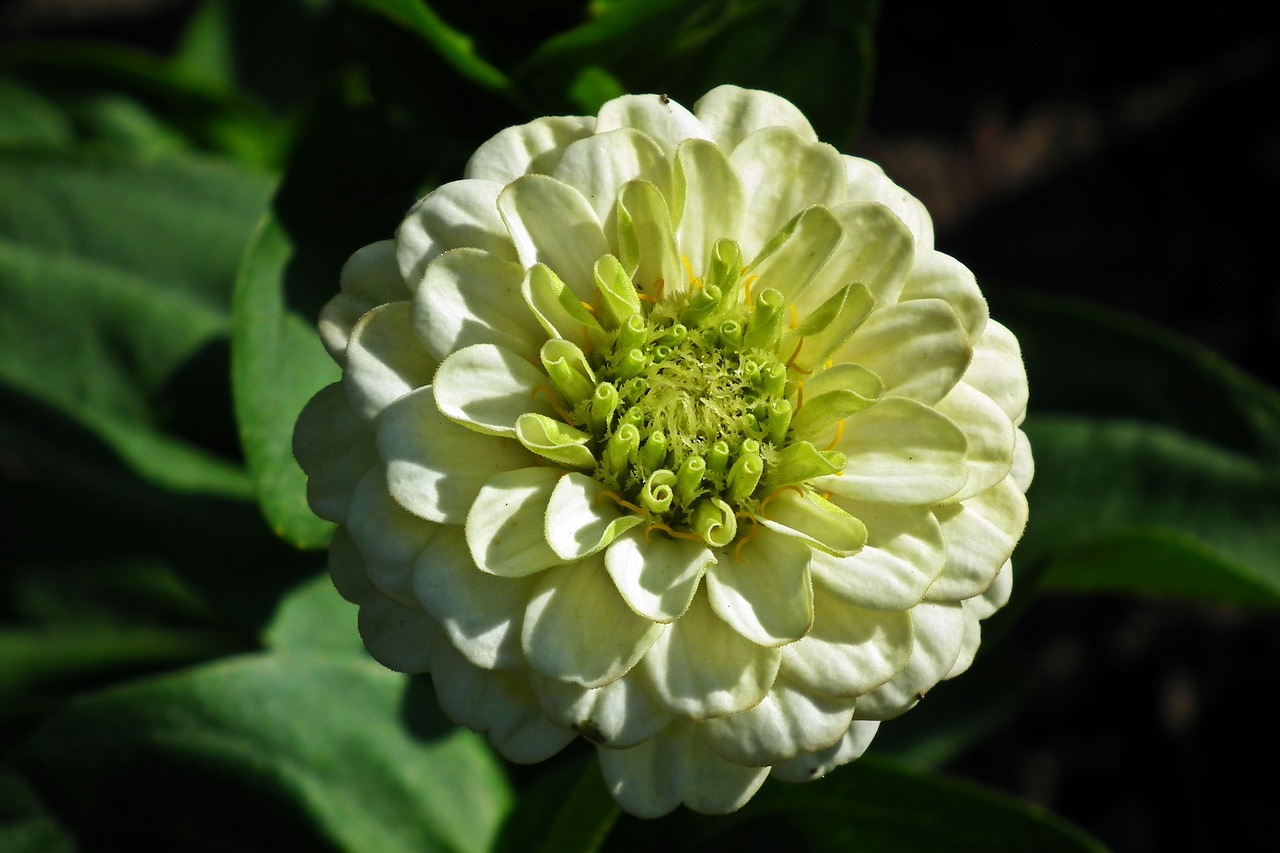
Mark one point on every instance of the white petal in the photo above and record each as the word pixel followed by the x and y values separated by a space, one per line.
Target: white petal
pixel 997 370
pixel 938 633
pixel 370 277
pixel 657 577
pixel 398 637
pixel 487 388
pixel 849 650
pixel 385 360
pixel 454 215
pixel 938 276
pixel 817 522
pixel 334 448
pixel 905 552
pixel 708 202
pixel 499 703
pixel 989 436
pixel 619 715
pixel 806 768
pixel 981 533
pixel 731 114
pixel 599 165
pixel 388 538
pixel 790 267
pixel 899 451
pixel 472 297
pixel 646 242
pixel 875 249
pixel 918 349
pixel 481 614
pixel 995 597
pixel 1024 468
pixel 578 629
pixel 346 568
pixel 553 224
pixel 766 596
pixel 526 149
pixel 666 122
pixel 675 767
pixel 505 525
pixel 968 646
pixel 868 182
pixel 435 468
pixel 787 722
pixel 581 519
pixel 782 174
pixel 701 668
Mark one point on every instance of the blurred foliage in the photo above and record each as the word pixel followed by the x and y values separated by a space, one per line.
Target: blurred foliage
pixel 172 667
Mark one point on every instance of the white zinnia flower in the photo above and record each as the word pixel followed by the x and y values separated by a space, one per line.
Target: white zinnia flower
pixel 672 430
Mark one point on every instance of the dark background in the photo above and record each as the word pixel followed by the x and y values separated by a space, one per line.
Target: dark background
pixel 1109 152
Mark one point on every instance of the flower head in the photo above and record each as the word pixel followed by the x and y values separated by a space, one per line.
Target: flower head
pixel 671 430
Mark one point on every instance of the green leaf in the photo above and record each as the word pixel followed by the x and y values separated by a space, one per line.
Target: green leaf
pixel 314 618
pixel 268 752
pixel 25 827
pixel 115 276
pixel 27 118
pixel 1130 507
pixel 873 805
pixel 455 47
pixel 277 364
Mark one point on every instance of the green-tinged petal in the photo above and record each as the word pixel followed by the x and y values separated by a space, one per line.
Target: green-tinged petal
pixel 980 533
pixel 396 636
pixel 479 613
pixel 831 396
pixel 899 451
pixel 786 722
pixel 918 349
pixel 937 633
pixel 646 242
pixel 370 277
pixel 809 766
pixel 665 121
pixel 578 629
pixel 763 591
pixel 554 440
pixel 795 254
pixel 868 183
pixel 435 468
pixel 938 276
pixel 708 201
pixel 501 704
pixel 454 215
pixel 581 519
pixel 619 715
pixel 806 516
pixel 1024 468
pixel 388 538
pixel 904 554
pixel 675 767
pixel 841 377
pixel 731 114
pixel 335 449
pixel 826 329
pixel 997 370
pixel 505 525
pixel 385 360
pixel 701 668
pixel 849 650
pixel 527 149
pixel 598 165
pixel 551 223
pixel 487 388
pixel 876 250
pixel 657 576
pixel 988 433
pixel 472 297
pixel 558 310
pixel 618 295
pixel 783 173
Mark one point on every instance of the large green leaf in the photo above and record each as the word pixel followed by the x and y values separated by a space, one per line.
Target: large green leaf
pixel 871 805
pixel 277 364
pixel 1157 462
pixel 268 752
pixel 24 825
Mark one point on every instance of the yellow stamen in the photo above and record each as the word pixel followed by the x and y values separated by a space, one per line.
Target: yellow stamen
pixel 790 487
pixel 674 534
pixel 795 317
pixel 755 528
pixel 799 394
pixel 621 501
pixel 694 281
pixel 590 308
pixel 791 362
pixel 746 289
pixel 828 363
pixel 551 398
pixel 826 496
pixel 839 433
